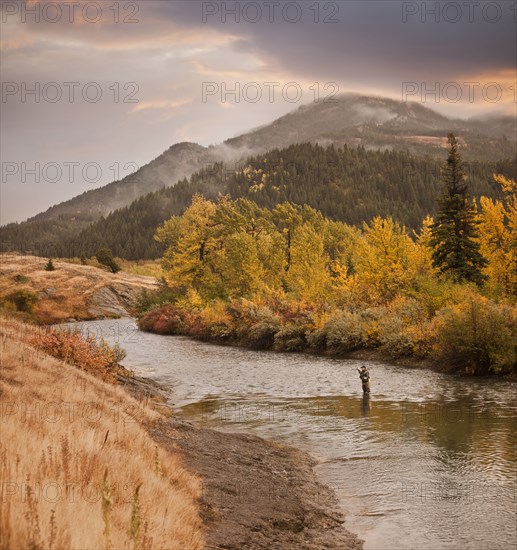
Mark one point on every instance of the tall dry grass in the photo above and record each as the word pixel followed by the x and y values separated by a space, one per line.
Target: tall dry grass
pixel 77 467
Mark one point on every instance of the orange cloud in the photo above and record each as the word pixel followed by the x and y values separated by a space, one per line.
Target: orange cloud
pixel 161 104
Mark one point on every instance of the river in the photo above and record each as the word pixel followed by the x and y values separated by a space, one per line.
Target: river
pixel 429 461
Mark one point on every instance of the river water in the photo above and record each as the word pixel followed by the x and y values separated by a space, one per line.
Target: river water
pixel 429 461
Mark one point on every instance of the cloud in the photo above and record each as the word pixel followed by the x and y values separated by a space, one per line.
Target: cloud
pixel 170 51
pixel 161 104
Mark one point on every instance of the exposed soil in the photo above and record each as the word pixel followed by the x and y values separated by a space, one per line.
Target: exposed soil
pixel 257 494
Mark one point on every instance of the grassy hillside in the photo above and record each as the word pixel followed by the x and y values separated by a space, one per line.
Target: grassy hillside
pixel 70 292
pixel 79 469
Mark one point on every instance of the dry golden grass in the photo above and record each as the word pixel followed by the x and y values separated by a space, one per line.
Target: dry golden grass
pixel 146 268
pixel 68 291
pixel 150 268
pixel 77 467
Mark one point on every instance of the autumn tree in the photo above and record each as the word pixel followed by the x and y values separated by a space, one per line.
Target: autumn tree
pixel 422 260
pixel 455 235
pixel 308 277
pixel 384 259
pixel 288 217
pixel 498 237
pixel 190 243
pixel 249 257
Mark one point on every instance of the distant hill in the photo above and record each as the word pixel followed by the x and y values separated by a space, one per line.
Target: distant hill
pixel 179 161
pixel 382 123
pixel 371 122
pixel 348 184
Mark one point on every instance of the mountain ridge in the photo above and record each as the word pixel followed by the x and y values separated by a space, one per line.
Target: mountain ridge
pixel 352 119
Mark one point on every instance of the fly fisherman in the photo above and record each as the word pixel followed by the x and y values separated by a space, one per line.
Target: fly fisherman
pixel 364 375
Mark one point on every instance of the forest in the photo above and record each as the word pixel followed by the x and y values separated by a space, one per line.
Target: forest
pixel 351 185
pixel 290 277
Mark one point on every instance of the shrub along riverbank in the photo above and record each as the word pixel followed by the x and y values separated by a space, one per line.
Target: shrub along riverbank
pixel 290 279
pixel 472 335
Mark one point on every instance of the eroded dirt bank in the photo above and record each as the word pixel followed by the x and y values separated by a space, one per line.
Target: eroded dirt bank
pixel 256 494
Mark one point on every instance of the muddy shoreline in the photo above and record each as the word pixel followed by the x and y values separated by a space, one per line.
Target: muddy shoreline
pixel 257 494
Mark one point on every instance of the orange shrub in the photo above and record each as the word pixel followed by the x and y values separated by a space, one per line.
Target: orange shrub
pixel 95 357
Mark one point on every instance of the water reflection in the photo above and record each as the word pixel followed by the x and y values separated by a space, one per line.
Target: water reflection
pixel 429 461
pixel 365 405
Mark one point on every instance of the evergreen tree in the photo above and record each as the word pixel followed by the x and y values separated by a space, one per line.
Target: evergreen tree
pixel 455 244
pixel 105 257
pixel 49 266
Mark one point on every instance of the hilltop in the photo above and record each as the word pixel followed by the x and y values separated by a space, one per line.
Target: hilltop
pixel 70 292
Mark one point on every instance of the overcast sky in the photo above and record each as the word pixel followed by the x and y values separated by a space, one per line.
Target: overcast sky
pixel 117 83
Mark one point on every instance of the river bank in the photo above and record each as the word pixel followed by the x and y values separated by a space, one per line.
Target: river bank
pixel 249 493
pixel 342 341
pixel 256 494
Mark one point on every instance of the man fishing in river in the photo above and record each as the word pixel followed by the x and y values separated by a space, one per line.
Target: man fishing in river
pixel 364 375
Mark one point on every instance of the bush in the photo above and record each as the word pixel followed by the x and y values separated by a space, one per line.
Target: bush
pixel 212 323
pixel 317 340
pixel 105 257
pixel 402 326
pixel 21 279
pixel 23 300
pixel 261 335
pixel 343 333
pixel 165 320
pixel 476 337
pixel 96 357
pixel 291 338
pixel 152 299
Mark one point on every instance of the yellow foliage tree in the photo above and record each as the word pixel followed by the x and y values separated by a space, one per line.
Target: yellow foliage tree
pixel 383 260
pixel 422 258
pixel 190 241
pixel 498 238
pixel 308 277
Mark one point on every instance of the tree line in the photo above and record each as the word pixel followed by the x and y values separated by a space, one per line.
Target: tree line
pixel 353 185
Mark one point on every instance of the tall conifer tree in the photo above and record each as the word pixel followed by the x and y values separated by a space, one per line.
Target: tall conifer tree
pixel 456 249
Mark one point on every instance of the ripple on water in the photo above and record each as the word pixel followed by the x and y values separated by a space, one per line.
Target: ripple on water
pixel 428 461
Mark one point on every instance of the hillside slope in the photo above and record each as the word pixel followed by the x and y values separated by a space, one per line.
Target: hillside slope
pixel 352 119
pixel 71 291
pixel 74 449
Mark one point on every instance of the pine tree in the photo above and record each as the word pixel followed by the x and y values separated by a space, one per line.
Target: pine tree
pixel 105 257
pixel 456 249
pixel 49 266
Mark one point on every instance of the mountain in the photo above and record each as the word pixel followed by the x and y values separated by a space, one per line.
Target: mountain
pixel 348 184
pixel 179 161
pixel 374 123
pixel 382 123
